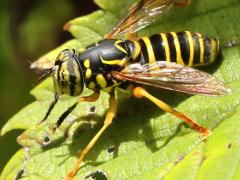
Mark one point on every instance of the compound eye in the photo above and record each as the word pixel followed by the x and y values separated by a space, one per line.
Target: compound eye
pixel 67 74
pixel 64 55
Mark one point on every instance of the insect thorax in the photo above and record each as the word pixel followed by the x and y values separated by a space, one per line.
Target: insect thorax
pixel 100 59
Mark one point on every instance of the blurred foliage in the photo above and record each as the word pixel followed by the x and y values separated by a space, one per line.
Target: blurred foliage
pixel 29 28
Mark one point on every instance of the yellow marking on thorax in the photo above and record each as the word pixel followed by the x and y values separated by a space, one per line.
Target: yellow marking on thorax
pixel 88 73
pixel 119 47
pixel 191 49
pixel 166 46
pixel 91 85
pixel 119 62
pixel 101 81
pixel 150 52
pixel 137 49
pixel 201 48
pixel 178 49
pixel 86 63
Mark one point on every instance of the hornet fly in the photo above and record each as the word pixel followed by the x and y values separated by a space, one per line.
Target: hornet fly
pixel 164 60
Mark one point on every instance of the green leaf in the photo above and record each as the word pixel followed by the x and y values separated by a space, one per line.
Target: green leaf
pixel 14 168
pixel 148 143
pixel 88 28
pixel 47 60
pixel 115 6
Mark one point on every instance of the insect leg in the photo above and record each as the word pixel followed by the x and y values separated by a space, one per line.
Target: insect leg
pixel 140 92
pixel 182 3
pixel 93 97
pixel 56 98
pixel 108 120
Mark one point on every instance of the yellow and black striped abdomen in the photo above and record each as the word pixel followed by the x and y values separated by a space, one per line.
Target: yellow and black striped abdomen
pixel 187 48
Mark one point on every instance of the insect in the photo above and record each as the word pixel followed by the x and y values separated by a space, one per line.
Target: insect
pixel 163 60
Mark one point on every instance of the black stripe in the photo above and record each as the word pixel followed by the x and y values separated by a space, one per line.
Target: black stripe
pixel 158 48
pixel 144 53
pixel 58 74
pixel 138 58
pixel 172 47
pixel 50 108
pixel 72 76
pixel 207 48
pixel 184 46
pixel 64 115
pixel 196 42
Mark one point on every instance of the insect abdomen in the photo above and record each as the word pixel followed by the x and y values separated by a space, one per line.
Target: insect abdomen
pixel 187 48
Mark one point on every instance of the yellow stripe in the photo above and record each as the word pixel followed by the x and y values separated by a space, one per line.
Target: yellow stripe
pixel 101 81
pixel 151 56
pixel 191 48
pixel 166 46
pixel 119 47
pixel 88 73
pixel 201 48
pixel 136 49
pixel 91 85
pixel 120 62
pixel 178 49
pixel 214 50
pixel 86 63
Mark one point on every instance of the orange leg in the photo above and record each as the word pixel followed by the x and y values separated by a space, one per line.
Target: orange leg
pixel 108 120
pixel 182 3
pixel 140 92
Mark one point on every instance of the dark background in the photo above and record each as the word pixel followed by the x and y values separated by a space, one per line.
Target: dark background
pixel 28 29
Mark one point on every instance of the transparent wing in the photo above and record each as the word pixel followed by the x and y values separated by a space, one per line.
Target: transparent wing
pixel 174 77
pixel 140 15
